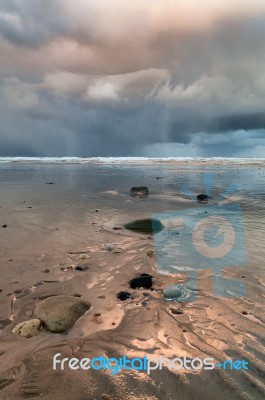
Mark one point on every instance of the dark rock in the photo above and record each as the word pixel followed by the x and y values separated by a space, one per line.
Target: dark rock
pixel 50 183
pixel 142 281
pixel 123 296
pixel 147 225
pixel 175 311
pixel 144 274
pixel 4 226
pixel 203 198
pixel 81 268
pixel 139 191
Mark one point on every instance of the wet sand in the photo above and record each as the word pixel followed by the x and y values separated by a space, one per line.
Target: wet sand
pixel 69 225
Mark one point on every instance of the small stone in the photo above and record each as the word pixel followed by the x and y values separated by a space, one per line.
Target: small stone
pixel 28 329
pixel 4 226
pixel 172 294
pixel 108 247
pixel 144 281
pixel 123 296
pixel 139 191
pixel 81 268
pixel 46 271
pixel 175 311
pixel 150 253
pixel 147 225
pixel 203 198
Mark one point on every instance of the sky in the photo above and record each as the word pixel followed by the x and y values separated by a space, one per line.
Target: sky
pixel 153 78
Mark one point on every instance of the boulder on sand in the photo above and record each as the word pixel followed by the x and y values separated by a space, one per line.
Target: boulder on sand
pixel 59 313
pixel 147 225
pixel 139 191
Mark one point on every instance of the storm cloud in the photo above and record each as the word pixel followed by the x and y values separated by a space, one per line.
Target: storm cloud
pixel 129 78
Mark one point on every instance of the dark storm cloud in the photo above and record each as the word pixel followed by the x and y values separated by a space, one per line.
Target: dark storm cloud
pixel 115 78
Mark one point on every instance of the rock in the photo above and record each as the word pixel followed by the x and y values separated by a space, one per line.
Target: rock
pixel 123 296
pixel 105 397
pixel 150 253
pixel 203 198
pixel 139 191
pixel 59 313
pixel 4 226
pixel 147 225
pixel 143 281
pixel 144 274
pixel 107 247
pixel 175 311
pixel 28 329
pixel 81 268
pixel 172 294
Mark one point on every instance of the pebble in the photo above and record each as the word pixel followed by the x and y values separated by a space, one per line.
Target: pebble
pixel 28 329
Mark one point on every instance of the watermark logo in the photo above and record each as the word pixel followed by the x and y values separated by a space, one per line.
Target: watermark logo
pixel 206 236
pixel 146 364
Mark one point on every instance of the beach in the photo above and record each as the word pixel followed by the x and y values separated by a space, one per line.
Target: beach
pixel 62 230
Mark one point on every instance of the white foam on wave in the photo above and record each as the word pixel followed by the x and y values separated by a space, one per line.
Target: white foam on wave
pixel 121 160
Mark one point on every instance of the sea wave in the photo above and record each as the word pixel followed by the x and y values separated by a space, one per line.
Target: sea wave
pixel 129 160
